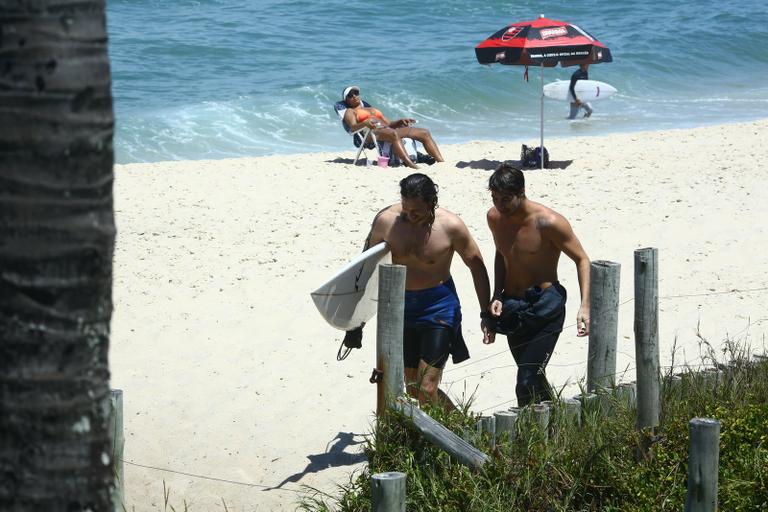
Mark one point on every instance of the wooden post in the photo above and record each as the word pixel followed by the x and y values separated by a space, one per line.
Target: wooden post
pixel 563 412
pixel 703 465
pixel 590 402
pixel 487 424
pixel 626 394
pixel 118 445
pixel 711 378
pixel 647 336
pixel 675 386
pixel 604 324
pixel 389 335
pixel 388 492
pixel 434 432
pixel 505 424
pixel 572 410
pixel 605 401
pixel 540 415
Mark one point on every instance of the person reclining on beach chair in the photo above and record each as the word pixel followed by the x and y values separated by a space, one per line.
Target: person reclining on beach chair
pixel 364 133
pixel 370 128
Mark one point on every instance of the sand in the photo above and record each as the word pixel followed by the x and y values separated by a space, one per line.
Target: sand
pixel 232 390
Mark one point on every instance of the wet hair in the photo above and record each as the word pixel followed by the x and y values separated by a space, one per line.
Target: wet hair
pixel 507 179
pixel 420 186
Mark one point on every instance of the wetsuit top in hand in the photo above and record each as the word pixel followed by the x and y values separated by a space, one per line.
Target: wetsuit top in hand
pixel 539 310
pixel 438 306
pixel 363 113
pixel 577 75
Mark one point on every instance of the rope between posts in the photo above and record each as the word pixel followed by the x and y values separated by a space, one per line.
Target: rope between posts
pixel 668 367
pixel 735 290
pixel 572 325
pixel 215 479
pixel 521 344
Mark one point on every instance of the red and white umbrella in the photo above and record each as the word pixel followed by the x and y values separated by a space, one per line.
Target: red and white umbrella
pixel 542 42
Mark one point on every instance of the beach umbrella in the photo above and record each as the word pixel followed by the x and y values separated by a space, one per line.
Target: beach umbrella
pixel 542 42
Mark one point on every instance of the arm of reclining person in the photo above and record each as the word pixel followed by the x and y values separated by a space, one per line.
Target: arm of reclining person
pixel 401 123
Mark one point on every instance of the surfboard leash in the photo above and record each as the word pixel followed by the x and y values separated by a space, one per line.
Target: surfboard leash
pixel 343 352
pixel 352 339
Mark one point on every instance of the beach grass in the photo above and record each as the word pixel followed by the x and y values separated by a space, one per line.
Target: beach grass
pixel 594 465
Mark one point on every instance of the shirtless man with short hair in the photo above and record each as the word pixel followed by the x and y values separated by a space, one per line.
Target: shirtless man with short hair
pixel 424 237
pixel 528 301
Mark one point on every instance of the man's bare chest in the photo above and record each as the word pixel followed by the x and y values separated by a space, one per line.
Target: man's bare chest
pixel 521 241
pixel 422 246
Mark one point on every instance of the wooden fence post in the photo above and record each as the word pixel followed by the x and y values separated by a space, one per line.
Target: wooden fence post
pixel 437 434
pixel 118 444
pixel 572 410
pixel 625 394
pixel 388 492
pixel 540 414
pixel 389 335
pixel 674 385
pixel 647 336
pixel 604 324
pixel 487 424
pixel 590 403
pixel 505 424
pixel 703 465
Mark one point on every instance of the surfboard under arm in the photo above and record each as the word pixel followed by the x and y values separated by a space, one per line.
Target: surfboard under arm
pixel 349 297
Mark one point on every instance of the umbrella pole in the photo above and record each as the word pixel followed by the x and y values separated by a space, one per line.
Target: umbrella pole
pixel 541 153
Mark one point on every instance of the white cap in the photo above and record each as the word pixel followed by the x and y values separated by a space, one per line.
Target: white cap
pixel 348 89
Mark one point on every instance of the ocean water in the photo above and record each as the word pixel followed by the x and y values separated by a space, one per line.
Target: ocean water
pixel 201 79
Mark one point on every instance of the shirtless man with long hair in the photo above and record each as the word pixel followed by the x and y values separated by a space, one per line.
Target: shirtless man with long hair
pixel 424 237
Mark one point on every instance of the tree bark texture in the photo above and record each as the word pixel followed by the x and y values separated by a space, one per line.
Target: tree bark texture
pixel 57 237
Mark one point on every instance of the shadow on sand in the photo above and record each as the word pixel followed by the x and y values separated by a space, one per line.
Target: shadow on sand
pixel 491 165
pixel 334 456
pixel 347 161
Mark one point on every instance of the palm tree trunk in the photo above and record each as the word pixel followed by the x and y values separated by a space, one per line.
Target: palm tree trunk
pixel 56 243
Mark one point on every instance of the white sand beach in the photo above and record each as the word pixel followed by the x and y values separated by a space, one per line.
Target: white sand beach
pixel 232 391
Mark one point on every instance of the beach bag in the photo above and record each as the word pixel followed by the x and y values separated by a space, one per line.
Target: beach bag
pixel 410 148
pixel 531 157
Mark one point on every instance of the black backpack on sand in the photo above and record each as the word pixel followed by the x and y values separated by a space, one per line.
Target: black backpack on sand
pixel 531 157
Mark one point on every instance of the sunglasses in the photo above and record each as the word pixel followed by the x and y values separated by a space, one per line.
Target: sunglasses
pixel 353 93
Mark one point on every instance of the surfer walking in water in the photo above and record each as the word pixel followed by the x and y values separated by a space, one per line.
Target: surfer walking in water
pixel 528 301
pixel 424 237
pixel 576 103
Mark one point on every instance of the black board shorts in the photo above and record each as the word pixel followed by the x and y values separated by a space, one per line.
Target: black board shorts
pixel 431 343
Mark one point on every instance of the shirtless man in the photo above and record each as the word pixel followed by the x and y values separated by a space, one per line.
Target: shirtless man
pixel 528 301
pixel 424 237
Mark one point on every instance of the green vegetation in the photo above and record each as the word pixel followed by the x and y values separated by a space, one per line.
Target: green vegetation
pixel 593 466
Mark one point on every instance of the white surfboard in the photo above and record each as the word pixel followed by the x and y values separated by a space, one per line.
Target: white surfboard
pixel 349 298
pixel 586 90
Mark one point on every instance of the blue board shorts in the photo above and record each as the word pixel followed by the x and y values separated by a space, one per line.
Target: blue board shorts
pixel 432 328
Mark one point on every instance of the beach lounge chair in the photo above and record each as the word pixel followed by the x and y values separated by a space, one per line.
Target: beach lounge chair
pixel 382 148
pixel 358 136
